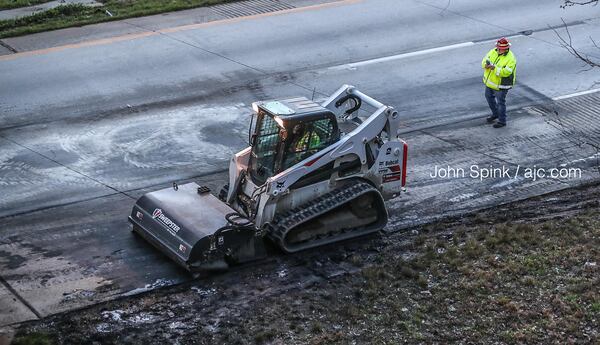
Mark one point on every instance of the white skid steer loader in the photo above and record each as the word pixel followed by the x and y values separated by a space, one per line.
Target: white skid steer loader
pixel 301 183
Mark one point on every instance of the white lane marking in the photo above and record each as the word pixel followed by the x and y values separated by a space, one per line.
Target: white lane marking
pixel 401 56
pixel 462 197
pixel 494 40
pixel 581 160
pixel 575 94
pixel 353 65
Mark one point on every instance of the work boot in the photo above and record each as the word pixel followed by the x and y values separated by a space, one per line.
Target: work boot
pixel 499 125
pixel 491 119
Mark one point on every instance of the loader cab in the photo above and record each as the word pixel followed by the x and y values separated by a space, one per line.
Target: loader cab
pixel 287 132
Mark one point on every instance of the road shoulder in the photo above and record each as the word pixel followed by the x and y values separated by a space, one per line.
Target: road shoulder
pixel 170 20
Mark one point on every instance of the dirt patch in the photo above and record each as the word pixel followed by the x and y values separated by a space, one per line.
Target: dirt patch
pixel 525 272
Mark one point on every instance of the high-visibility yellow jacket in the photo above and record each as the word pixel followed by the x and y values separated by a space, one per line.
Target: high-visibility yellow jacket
pixel 310 140
pixel 504 75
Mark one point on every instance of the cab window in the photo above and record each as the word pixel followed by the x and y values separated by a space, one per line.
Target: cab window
pixel 264 150
pixel 306 139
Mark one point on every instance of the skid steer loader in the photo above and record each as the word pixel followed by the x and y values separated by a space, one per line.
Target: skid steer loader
pixel 301 183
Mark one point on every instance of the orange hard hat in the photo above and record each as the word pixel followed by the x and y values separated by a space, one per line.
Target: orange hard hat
pixel 503 43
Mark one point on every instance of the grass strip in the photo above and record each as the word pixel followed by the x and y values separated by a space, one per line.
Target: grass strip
pixel 70 15
pixel 514 283
pixel 10 4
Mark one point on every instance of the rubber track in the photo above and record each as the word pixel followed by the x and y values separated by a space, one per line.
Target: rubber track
pixel 283 223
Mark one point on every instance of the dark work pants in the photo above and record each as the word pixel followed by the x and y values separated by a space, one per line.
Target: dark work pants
pixel 497 102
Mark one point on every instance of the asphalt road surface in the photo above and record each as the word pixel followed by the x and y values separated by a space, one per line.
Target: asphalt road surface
pixel 90 122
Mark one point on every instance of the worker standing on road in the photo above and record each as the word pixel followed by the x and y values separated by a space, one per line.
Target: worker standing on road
pixel 499 72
